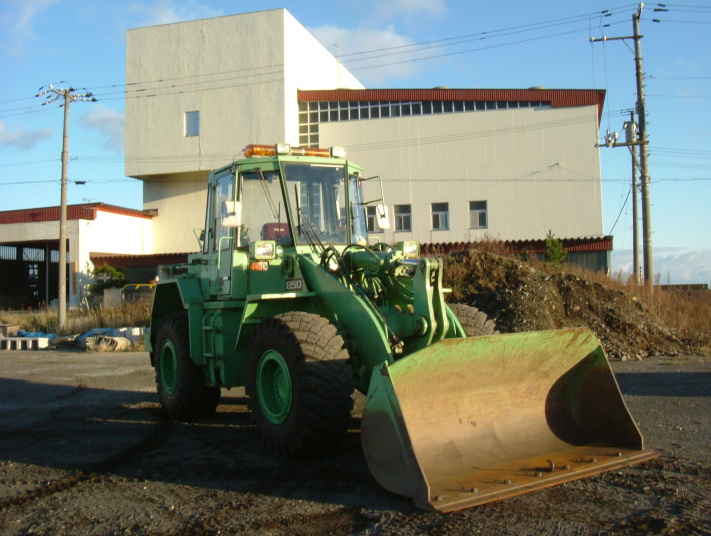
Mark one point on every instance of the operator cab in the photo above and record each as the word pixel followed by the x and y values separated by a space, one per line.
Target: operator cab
pixel 304 196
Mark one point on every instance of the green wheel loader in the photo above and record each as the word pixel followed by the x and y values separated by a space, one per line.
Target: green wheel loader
pixel 290 298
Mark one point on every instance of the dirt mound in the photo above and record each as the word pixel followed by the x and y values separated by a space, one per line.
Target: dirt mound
pixel 521 298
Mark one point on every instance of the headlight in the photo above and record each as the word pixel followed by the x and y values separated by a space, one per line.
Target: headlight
pixel 409 248
pixel 263 250
pixel 338 152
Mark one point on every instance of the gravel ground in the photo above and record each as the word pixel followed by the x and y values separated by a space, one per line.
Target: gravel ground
pixel 83 450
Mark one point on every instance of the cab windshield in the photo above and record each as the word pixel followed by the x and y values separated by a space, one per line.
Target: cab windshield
pixel 317 202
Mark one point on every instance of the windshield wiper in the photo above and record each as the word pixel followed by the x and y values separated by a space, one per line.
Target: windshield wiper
pixel 265 186
pixel 307 230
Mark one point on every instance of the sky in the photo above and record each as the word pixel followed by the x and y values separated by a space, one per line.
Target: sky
pixel 509 44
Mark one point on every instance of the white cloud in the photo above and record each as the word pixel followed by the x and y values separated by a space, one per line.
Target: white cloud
pixel 18 23
pixel 671 265
pixel 690 267
pixel 169 11
pixel 373 56
pixel 377 54
pixel 688 63
pixel 24 139
pixel 108 123
pixel 407 9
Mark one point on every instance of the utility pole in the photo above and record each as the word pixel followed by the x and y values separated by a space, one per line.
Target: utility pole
pixel 642 142
pixel 643 161
pixel 67 95
pixel 631 137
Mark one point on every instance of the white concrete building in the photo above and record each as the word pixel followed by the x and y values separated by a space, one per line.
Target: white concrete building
pixel 462 165
pixel 198 92
pixel 29 248
pixel 457 164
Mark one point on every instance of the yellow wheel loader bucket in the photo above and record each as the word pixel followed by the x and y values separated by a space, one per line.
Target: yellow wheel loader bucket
pixel 470 421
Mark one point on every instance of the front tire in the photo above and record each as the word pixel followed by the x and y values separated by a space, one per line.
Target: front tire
pixel 474 322
pixel 181 387
pixel 299 384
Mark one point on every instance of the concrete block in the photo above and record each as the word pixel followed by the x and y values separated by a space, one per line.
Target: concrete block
pixel 9 330
pixel 24 343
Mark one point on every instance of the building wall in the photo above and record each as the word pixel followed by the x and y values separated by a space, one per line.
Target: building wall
pixel 308 66
pixel 537 168
pixel 181 209
pixel 225 68
pixel 241 73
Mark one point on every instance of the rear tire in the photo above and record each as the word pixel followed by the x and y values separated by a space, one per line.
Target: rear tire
pixel 474 322
pixel 181 386
pixel 298 384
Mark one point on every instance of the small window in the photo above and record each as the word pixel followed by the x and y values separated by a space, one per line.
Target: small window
pixel 192 124
pixel 372 220
pixel 478 215
pixel 403 218
pixel 440 216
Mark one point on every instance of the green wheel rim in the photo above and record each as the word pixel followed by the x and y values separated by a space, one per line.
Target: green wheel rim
pixel 169 368
pixel 274 387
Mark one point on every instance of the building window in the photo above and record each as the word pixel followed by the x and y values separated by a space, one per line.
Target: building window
pixel 192 124
pixel 440 216
pixel 478 215
pixel 313 113
pixel 372 220
pixel 403 218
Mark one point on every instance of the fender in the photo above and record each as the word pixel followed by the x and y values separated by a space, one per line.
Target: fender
pixel 358 318
pixel 176 295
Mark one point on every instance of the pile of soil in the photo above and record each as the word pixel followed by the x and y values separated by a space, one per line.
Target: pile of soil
pixel 519 297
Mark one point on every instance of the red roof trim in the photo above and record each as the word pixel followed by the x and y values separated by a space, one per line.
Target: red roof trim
pixel 122 261
pixel 87 211
pixel 557 98
pixel 529 246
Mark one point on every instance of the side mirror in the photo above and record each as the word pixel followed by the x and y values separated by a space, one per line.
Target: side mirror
pixel 231 214
pixel 381 214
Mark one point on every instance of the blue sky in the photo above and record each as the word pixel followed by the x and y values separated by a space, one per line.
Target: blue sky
pixel 388 43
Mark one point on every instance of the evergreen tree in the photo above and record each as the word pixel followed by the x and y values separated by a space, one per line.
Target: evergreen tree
pixel 555 254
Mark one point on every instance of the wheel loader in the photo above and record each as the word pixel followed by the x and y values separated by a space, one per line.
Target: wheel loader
pixel 291 298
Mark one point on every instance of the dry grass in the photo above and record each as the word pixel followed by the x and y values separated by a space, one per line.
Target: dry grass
pixel 686 313
pixel 78 322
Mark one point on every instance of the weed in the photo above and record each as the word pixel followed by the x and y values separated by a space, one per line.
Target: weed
pixel 45 321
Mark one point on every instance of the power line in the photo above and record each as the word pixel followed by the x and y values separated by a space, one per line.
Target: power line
pixel 681 96
pixel 131 89
pixel 621 210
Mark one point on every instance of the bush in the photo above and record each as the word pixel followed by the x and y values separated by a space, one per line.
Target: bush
pixel 109 276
